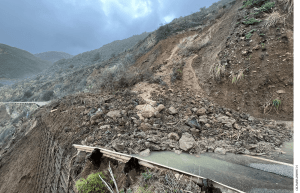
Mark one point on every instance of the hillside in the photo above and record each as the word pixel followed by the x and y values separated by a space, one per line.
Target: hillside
pixel 53 56
pixel 219 80
pixel 95 56
pixel 16 63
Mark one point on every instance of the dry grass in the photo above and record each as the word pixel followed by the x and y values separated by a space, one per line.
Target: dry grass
pixel 217 70
pixel 238 76
pixel 273 19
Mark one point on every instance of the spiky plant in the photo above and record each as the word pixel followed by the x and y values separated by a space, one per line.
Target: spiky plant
pixel 276 103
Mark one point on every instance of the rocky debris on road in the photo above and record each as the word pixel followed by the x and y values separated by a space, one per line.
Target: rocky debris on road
pixel 195 125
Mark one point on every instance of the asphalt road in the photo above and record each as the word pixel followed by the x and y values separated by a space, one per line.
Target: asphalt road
pixel 238 171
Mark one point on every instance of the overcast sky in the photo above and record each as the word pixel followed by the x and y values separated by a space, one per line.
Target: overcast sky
pixel 76 26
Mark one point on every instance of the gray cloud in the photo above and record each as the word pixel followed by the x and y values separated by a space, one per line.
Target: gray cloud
pixel 76 26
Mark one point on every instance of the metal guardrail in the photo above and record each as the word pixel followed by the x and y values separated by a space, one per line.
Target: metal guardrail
pixel 37 103
pixel 125 158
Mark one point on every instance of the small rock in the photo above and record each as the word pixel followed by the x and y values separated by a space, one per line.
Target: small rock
pixel 147 114
pixel 147 144
pixel 280 91
pixel 186 142
pixel 210 149
pixel 155 147
pixel 188 112
pixel 118 146
pixel 226 120
pixel 172 111
pixel 145 153
pixel 193 123
pixel 203 119
pixel 201 111
pixel 178 152
pixel 97 115
pixel 156 126
pixel 195 131
pixel 228 114
pixel 90 139
pixel 221 151
pixel 245 52
pixel 114 114
pixel 173 136
pixel 105 127
pixel 194 110
pixel 207 125
pixel 157 114
pixel 256 47
pixel 251 118
pixel 236 126
pixel 247 152
pixel 124 113
pixel 160 107
pixel 145 126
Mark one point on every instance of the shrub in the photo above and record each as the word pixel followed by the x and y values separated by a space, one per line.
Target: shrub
pixel 249 34
pixel 147 175
pixel 267 6
pixel 143 190
pixel 28 94
pixel 238 77
pixel 276 103
pixel 92 183
pixel 251 21
pixel 47 96
pixel 217 70
pixel 249 3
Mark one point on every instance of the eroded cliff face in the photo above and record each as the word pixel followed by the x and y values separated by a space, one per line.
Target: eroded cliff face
pixel 11 118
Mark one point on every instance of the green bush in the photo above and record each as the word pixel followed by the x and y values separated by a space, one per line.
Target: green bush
pixel 252 2
pixel 147 175
pixel 251 21
pixel 92 183
pixel 249 34
pixel 276 103
pixel 143 190
pixel 267 6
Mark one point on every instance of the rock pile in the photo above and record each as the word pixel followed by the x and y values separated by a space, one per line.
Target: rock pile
pixel 194 125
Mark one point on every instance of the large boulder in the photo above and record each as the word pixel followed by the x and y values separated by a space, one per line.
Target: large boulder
pixel 186 142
